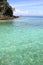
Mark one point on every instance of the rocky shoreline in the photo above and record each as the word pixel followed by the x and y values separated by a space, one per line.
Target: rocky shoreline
pixel 2 17
pixel 6 11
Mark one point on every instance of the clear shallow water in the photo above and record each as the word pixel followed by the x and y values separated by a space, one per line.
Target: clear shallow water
pixel 21 42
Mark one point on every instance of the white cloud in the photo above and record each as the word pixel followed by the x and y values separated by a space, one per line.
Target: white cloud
pixel 21 4
pixel 19 12
pixel 27 13
pixel 36 13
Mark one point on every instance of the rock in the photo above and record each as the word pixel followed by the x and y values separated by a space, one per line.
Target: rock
pixel 6 10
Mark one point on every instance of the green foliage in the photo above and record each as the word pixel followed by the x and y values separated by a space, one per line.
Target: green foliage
pixel 5 8
pixel 2 0
pixel 8 11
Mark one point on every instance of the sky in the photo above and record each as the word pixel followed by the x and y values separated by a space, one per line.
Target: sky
pixel 27 7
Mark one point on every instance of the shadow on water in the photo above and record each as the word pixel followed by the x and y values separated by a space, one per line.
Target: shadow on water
pixel 6 22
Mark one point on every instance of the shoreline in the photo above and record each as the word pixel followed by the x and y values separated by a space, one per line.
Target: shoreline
pixel 8 17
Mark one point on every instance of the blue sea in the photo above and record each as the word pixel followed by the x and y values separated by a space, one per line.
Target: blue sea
pixel 21 41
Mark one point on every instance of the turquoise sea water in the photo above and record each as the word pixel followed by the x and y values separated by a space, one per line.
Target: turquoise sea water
pixel 21 41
